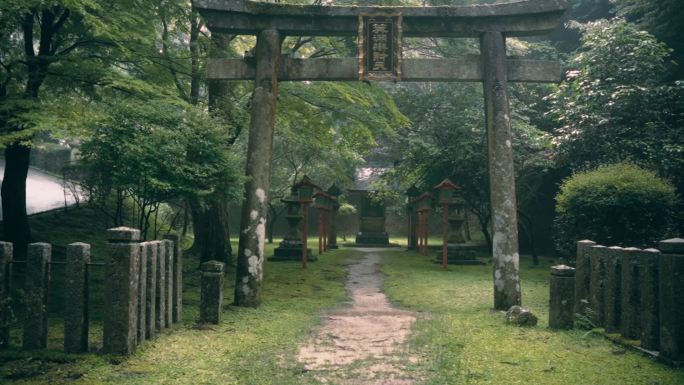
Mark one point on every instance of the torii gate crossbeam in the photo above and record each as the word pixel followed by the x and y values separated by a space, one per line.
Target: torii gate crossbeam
pixel 491 23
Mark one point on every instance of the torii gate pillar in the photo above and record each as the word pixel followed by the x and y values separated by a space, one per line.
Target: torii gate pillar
pixel 501 172
pixel 259 158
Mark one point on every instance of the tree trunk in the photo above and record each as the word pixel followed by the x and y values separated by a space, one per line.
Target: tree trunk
pixel 16 227
pixel 210 226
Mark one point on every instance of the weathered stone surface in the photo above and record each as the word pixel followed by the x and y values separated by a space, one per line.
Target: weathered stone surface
pixel 649 299
pixel 169 247
pixel 142 294
pixel 515 19
pixel 464 69
pixel 671 292
pixel 630 323
pixel 177 278
pixel 250 258
pixel 211 294
pixel 6 251
pixel 612 290
pixel 290 249
pixel 36 291
pixel 501 173
pixel 520 316
pixel 671 246
pixel 123 234
pixel 561 297
pixel 597 257
pixel 151 290
pixel 160 302
pixel 582 276
pixel 121 296
pixel 76 298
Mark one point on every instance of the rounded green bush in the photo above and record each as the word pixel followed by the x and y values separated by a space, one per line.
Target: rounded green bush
pixel 615 205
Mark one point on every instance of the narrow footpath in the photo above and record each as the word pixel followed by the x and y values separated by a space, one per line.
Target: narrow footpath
pixel 365 343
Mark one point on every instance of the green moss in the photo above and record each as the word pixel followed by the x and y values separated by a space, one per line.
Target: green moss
pixel 461 340
pixel 250 346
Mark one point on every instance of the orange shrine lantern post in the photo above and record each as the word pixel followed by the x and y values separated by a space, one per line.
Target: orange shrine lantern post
pixel 305 188
pixel 445 198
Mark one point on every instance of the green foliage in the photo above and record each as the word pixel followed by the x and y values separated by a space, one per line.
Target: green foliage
pixel 155 151
pixel 662 18
pixel 70 45
pixel 616 107
pixel 619 204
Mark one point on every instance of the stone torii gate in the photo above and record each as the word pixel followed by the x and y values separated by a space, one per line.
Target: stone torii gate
pixel 490 23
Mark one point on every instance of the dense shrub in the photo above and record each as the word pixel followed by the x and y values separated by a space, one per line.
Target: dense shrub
pixel 619 204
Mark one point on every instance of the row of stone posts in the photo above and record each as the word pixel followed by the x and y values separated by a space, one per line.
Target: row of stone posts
pixel 636 293
pixel 143 291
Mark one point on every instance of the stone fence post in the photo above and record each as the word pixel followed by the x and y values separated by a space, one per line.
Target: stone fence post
pixel 561 298
pixel 121 291
pixel 612 290
pixel 36 288
pixel 672 300
pixel 177 294
pixel 169 248
pixel 649 301
pixel 151 290
pixel 211 295
pixel 597 257
pixel 630 317
pixel 141 333
pixel 76 298
pixel 6 252
pixel 160 310
pixel 582 277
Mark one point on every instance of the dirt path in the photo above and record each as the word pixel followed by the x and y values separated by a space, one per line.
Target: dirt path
pixel 365 343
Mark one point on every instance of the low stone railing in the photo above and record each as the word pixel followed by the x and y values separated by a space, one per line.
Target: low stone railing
pixel 142 292
pixel 638 294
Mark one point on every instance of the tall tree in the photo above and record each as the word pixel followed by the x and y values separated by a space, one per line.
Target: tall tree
pixel 50 47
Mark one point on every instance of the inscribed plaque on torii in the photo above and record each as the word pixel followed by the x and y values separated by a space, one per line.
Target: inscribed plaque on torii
pixel 380 46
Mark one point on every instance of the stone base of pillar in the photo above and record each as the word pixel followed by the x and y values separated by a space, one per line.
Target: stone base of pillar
pixel 369 238
pixel 291 254
pixel 461 254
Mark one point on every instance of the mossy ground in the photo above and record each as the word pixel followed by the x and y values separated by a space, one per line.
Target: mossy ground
pixel 458 339
pixel 250 346
pixel 462 341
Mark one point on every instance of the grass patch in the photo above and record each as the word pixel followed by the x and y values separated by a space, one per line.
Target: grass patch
pixel 462 341
pixel 250 346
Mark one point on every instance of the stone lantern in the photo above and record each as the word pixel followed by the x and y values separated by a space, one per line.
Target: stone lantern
pixel 290 249
pixel 459 252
